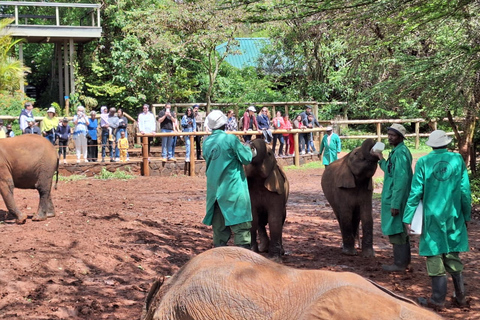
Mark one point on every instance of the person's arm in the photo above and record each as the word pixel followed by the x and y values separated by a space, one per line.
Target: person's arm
pixel 243 152
pixel 184 121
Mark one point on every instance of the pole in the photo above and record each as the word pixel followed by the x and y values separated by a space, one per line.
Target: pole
pixel 192 157
pixel 297 149
pixel 146 166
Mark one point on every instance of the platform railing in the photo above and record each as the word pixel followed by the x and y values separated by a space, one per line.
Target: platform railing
pixel 95 12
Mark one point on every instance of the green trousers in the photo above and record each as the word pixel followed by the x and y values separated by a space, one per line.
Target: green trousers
pixel 399 238
pixel 447 262
pixel 222 233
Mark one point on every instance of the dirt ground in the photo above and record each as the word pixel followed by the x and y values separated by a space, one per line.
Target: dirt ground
pixel 97 258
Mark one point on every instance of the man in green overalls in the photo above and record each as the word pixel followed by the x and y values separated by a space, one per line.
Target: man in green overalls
pixel 228 199
pixel 331 145
pixel 441 180
pixel 396 187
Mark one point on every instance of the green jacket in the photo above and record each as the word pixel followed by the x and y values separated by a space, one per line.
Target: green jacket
pixel 396 187
pixel 331 149
pixel 225 156
pixel 441 180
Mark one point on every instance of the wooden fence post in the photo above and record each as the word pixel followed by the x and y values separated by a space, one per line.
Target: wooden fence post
pixel 146 166
pixel 297 149
pixel 417 135
pixel 379 132
pixel 192 157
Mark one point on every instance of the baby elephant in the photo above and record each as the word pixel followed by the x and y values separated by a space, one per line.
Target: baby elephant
pixel 237 284
pixel 28 162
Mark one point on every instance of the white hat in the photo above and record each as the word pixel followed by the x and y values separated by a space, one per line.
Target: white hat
pixel 252 108
pixel 216 119
pixel 51 109
pixel 438 138
pixel 329 128
pixel 398 128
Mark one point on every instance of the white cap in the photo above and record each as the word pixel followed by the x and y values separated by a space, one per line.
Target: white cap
pixel 398 128
pixel 216 119
pixel 438 138
pixel 252 108
pixel 329 128
pixel 51 109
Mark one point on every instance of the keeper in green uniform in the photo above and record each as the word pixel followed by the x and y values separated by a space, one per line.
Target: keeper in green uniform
pixel 228 199
pixel 330 147
pixel 441 180
pixel 396 187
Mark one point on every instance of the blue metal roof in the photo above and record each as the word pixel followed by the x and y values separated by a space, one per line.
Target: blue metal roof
pixel 245 52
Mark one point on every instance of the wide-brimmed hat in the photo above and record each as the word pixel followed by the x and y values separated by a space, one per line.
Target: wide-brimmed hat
pixel 398 128
pixel 216 119
pixel 252 108
pixel 438 138
pixel 51 109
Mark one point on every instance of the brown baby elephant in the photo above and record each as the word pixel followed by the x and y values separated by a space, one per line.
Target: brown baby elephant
pixel 237 284
pixel 348 187
pixel 28 162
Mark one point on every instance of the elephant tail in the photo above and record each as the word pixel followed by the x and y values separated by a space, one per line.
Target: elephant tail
pixel 56 179
pixel 391 293
pixel 149 306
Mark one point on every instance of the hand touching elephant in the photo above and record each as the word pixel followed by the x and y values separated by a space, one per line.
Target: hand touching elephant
pixel 237 284
pixel 268 186
pixel 347 185
pixel 28 162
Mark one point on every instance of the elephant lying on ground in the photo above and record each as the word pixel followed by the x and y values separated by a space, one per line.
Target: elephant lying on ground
pixel 268 186
pixel 348 187
pixel 28 162
pixel 237 284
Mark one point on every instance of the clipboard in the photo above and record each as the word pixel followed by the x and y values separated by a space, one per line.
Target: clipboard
pixel 417 221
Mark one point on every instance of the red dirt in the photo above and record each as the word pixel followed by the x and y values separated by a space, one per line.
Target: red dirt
pixel 97 258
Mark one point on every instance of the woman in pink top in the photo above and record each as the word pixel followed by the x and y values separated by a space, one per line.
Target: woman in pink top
pixel 288 137
pixel 278 123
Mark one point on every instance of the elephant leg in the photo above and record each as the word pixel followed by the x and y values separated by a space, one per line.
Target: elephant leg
pixel 41 214
pixel 367 229
pixel 348 232
pixel 264 240
pixel 6 189
pixel 275 225
pixel 356 226
pixel 253 230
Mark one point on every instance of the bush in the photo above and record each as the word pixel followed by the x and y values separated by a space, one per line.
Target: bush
pixel 119 174
pixel 475 188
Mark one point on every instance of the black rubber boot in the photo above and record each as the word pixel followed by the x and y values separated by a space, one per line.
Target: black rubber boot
pixel 401 258
pixel 459 289
pixel 439 292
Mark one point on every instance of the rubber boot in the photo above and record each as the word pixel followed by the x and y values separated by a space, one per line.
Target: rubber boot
pixel 401 258
pixel 439 292
pixel 459 289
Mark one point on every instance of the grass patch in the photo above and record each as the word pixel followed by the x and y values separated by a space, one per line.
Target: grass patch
pixel 119 174
pixel 306 166
pixel 73 177
pixel 377 196
pixel 475 188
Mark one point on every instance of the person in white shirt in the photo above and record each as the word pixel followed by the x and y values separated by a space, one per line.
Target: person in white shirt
pixel 146 123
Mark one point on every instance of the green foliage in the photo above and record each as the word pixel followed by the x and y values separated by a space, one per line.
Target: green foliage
pixel 70 178
pixel 475 188
pixel 11 69
pixel 118 174
pixel 306 166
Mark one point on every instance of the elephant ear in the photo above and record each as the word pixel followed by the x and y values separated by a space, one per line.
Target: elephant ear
pixel 345 179
pixel 276 181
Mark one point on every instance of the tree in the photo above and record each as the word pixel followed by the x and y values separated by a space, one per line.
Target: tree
pixel 11 69
pixel 422 54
